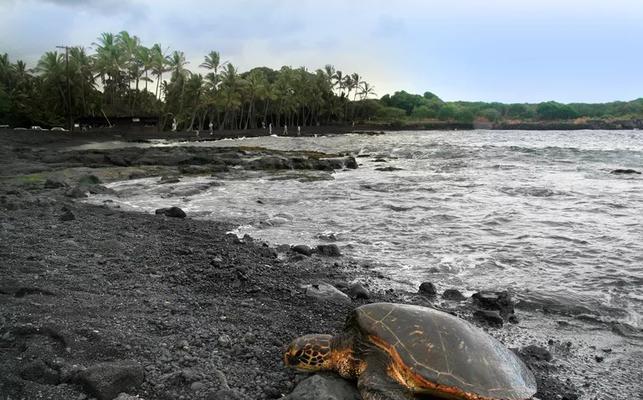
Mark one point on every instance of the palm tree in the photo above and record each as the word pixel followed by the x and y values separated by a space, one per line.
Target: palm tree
pixel 366 90
pixel 81 69
pixel 158 65
pixel 213 62
pixel 193 91
pixel 5 68
pixel 51 67
pixel 356 80
pixel 175 98
pixel 177 63
pixel 231 96
pixel 256 88
pixel 108 63
pixel 339 81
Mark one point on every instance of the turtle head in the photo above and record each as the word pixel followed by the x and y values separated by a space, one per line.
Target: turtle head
pixel 309 353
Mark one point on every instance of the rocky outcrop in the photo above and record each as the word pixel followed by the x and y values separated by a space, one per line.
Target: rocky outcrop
pixel 494 307
pixel 427 289
pixel 106 380
pixel 453 294
pixel 173 212
pixel 624 171
pixel 302 249
pixel 328 250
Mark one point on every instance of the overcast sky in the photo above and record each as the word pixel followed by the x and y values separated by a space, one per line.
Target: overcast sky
pixel 493 50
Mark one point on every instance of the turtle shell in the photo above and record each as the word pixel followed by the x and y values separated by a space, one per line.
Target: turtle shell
pixel 443 354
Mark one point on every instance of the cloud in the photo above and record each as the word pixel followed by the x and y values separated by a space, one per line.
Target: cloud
pixel 103 6
pixel 497 50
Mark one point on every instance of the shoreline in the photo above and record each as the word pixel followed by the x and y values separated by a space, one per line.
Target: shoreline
pixel 134 133
pixel 201 313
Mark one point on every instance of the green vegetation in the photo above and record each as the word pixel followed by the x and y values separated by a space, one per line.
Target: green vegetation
pixel 123 78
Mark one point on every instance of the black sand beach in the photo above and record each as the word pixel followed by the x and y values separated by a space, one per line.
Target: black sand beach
pixel 95 301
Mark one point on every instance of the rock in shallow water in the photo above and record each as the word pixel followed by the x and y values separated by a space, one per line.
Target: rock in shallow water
pixel 324 387
pixel 625 171
pixel 453 294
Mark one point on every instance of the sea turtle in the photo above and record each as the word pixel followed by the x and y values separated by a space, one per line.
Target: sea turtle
pixel 396 351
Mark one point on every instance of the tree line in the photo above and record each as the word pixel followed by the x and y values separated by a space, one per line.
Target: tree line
pixel 405 106
pixel 122 78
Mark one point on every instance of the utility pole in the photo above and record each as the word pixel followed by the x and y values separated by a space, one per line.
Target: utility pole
pixel 70 122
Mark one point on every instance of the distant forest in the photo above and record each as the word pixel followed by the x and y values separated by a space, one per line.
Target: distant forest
pixel 123 78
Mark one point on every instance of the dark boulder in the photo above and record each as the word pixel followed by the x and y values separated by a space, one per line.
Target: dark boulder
pixel 328 250
pixel 326 387
pixel 625 171
pixel 358 291
pixel 453 294
pixel 427 289
pixel 351 163
pixel 498 301
pixel 489 317
pixel 302 249
pixel 334 163
pixel 106 380
pixel 173 212
pixel 532 353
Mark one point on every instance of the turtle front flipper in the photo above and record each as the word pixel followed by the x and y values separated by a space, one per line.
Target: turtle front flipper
pixel 375 384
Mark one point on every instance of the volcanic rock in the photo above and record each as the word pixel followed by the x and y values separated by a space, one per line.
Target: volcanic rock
pixel 325 292
pixel 328 250
pixel 326 387
pixel 357 291
pixel 106 380
pixel 427 289
pixel 173 212
pixel 490 317
pixel 453 294
pixel 498 301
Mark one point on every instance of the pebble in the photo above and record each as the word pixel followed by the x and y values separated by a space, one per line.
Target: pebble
pixel 224 340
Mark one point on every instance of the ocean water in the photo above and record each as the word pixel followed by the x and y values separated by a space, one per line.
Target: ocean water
pixel 538 213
